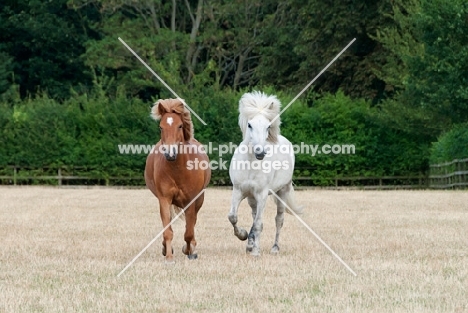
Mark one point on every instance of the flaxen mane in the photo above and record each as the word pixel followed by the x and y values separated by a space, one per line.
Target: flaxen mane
pixel 162 107
pixel 254 103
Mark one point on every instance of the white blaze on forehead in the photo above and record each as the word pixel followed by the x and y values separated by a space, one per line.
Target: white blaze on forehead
pixel 170 120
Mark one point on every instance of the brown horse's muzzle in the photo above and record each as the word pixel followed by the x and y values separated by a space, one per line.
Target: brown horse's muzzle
pixel 170 152
pixel 170 157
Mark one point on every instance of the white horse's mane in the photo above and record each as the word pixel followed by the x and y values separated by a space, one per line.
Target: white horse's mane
pixel 253 103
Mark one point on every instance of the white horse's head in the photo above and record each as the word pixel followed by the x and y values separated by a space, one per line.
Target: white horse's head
pixel 257 110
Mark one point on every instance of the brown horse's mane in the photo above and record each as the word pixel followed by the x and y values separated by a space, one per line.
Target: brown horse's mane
pixel 164 106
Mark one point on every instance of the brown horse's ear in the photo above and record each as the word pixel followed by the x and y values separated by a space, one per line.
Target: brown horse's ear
pixel 157 110
pixel 161 109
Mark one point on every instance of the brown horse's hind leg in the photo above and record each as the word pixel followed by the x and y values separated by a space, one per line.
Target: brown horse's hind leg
pixel 164 250
pixel 189 237
pixel 167 250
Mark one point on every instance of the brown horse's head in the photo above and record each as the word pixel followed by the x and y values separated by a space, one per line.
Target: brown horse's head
pixel 175 125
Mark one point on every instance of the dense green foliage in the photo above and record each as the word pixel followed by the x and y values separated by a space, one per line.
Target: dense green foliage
pixel 433 65
pixel 337 119
pixel 439 77
pixel 81 131
pixel 451 145
pixel 70 92
pixel 44 41
pixel 293 54
pixel 87 131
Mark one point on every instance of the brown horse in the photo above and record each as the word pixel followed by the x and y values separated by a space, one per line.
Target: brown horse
pixel 171 176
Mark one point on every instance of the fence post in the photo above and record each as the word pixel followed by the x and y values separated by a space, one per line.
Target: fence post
pixel 14 175
pixel 59 176
pixel 446 178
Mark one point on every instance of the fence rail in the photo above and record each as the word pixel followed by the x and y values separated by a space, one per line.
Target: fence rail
pixel 374 182
pixel 449 175
pixel 85 176
pixel 61 175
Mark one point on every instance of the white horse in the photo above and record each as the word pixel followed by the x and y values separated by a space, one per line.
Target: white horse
pixel 264 160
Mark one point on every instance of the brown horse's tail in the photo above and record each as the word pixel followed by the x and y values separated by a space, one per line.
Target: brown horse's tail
pixel 176 210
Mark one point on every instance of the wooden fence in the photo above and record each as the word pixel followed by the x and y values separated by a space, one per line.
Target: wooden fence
pixel 14 175
pixel 372 182
pixel 63 176
pixel 449 175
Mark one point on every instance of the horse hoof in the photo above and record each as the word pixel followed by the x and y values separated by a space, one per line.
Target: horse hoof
pixel 255 253
pixel 184 250
pixel 248 249
pixel 192 256
pixel 169 261
pixel 242 234
pixel 274 250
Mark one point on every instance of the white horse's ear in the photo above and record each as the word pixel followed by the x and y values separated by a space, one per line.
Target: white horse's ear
pixel 156 110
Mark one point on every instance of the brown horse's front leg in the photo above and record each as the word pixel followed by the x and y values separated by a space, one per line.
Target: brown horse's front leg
pixel 165 212
pixel 190 242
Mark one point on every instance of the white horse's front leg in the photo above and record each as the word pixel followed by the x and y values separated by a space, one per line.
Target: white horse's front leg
pixel 236 200
pixel 280 208
pixel 257 227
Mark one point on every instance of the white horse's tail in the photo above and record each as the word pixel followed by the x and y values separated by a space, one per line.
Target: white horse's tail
pixel 176 210
pixel 291 202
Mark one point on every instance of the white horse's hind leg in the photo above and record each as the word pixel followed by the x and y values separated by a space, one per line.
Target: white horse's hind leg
pixel 253 205
pixel 280 208
pixel 236 200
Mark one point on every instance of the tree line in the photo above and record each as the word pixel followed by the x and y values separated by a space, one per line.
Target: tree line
pixel 70 92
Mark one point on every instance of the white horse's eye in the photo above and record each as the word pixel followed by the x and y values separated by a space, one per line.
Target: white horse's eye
pixel 250 126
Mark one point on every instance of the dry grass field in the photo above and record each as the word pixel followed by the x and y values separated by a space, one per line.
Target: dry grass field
pixel 61 250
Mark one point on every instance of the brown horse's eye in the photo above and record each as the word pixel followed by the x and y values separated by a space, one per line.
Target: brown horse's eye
pixel 180 126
